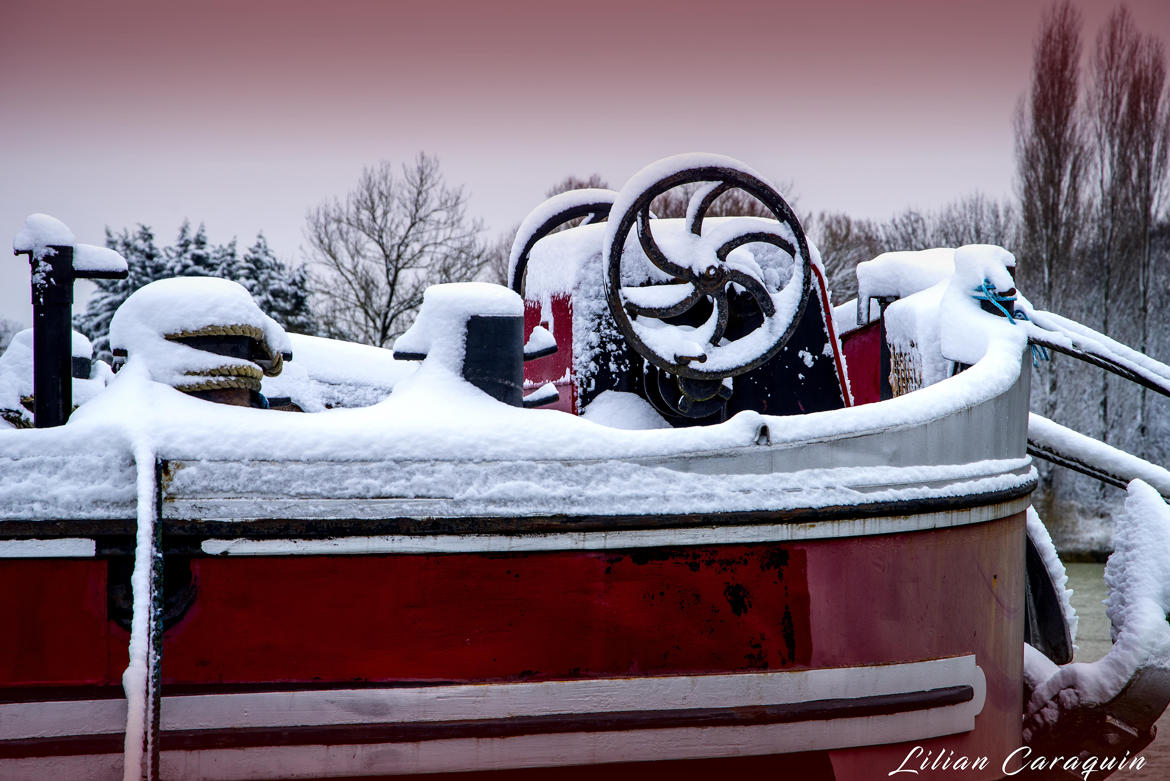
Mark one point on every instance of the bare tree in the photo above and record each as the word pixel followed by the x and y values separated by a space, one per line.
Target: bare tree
pixel 498 252
pixel 1149 115
pixel 843 242
pixel 497 255
pixel 1051 151
pixel 1052 162
pixel 909 230
pixel 571 182
pixel 1113 65
pixel 733 203
pixel 381 246
pixel 1130 107
pixel 975 219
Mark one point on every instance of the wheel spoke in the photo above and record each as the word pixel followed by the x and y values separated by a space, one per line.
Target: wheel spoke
pixel 665 311
pixel 700 202
pixel 763 237
pixel 719 299
pixel 655 255
pixel 757 290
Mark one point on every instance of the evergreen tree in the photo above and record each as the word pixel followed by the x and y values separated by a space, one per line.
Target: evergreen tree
pixel 280 290
pixel 226 261
pixel 146 264
pixel 191 256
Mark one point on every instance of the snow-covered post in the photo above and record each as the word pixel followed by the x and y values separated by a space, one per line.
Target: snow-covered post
pixel 474 330
pixel 57 261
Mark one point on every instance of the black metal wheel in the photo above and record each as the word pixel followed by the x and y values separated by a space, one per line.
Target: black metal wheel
pixel 699 310
pixel 592 204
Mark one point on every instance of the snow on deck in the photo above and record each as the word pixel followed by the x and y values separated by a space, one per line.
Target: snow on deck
pixel 434 417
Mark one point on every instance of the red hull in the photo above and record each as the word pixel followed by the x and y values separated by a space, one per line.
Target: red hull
pixel 471 617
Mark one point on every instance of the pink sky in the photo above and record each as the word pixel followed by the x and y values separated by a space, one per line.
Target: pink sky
pixel 246 114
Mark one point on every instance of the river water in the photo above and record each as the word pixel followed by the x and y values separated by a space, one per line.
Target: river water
pixel 1088 584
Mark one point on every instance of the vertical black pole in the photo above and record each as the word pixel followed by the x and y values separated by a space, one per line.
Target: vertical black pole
pixel 155 638
pixel 52 299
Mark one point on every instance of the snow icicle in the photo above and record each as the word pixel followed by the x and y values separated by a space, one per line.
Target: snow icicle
pixel 141 679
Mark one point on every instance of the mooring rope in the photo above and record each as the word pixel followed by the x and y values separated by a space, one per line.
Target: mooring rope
pixel 988 292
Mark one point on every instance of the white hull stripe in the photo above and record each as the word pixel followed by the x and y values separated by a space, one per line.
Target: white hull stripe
pixel 66 547
pixel 480 702
pixel 427 729
pixel 616 540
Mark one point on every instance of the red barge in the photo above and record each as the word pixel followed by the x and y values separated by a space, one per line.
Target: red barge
pixel 767 534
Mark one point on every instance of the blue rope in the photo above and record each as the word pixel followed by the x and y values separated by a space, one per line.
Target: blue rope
pixel 987 292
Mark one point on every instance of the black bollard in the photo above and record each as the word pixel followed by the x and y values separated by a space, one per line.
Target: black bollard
pixel 53 275
pixel 52 300
pixel 494 359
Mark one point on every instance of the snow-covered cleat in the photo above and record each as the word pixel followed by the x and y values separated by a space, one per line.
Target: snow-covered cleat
pixel 203 336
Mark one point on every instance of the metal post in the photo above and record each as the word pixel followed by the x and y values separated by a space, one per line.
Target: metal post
pixel 53 275
pixel 152 734
pixel 52 300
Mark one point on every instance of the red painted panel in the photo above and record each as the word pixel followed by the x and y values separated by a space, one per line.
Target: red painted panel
pixel 902 597
pixel 851 601
pixel 822 290
pixel 555 368
pixel 466 617
pixel 863 356
pixel 54 616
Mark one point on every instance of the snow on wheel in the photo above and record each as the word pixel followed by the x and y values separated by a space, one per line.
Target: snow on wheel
pixel 591 203
pixel 703 308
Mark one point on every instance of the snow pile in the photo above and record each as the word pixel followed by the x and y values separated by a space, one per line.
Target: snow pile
pixel 439 333
pixel 16 377
pixel 845 316
pixel 1138 576
pixel 902 274
pixel 327 373
pixel 936 321
pixel 39 234
pixel 85 388
pixel 296 384
pixel 1038 533
pixel 1054 331
pixel 965 329
pixel 89 260
pixel 168 309
pixel 1055 438
pixel 617 409
pixel 913 334
pixel 540 342
pixel 142 656
pixel 613 487
pixel 90 479
pixel 556 264
pixel 16 380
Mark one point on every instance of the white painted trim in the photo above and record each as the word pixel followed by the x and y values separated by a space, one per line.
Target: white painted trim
pixel 531 751
pixel 394 705
pixel 65 547
pixel 543 750
pixel 614 540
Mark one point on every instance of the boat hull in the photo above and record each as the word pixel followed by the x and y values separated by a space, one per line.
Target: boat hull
pixel 856 647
